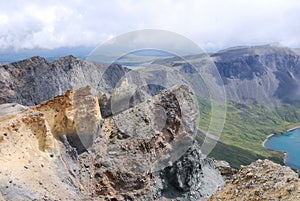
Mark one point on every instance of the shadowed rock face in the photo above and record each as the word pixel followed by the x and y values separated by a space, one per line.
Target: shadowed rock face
pixel 53 151
pixel 191 177
pixel 263 74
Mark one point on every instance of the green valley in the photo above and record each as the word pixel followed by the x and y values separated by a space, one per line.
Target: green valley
pixel 245 129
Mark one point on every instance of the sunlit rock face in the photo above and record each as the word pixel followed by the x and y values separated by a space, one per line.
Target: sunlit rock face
pixel 76 114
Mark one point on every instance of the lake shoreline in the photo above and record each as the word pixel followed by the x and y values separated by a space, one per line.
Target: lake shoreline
pixel 284 152
pixel 294 128
pixel 270 135
pixel 263 143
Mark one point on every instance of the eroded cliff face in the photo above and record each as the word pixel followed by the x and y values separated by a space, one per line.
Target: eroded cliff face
pixel 76 115
pixel 31 164
pixel 261 180
pixel 39 146
pixel 64 149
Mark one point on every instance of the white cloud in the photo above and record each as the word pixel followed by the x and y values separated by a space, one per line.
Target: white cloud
pixel 213 24
pixel 3 19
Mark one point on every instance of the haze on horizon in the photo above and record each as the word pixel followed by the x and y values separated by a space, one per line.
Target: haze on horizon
pixel 213 24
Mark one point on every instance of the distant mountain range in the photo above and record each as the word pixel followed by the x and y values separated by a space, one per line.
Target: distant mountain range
pixel 10 55
pixel 262 74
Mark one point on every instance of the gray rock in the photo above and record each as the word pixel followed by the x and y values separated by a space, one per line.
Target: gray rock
pixel 34 80
pixel 147 152
pixel 263 74
pixel 191 177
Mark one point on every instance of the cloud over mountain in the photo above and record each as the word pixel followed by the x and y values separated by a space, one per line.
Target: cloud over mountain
pixel 211 24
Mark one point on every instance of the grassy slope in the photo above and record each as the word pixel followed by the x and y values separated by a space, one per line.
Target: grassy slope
pixel 246 127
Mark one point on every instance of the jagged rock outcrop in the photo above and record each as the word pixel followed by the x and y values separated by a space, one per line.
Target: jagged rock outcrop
pixel 141 150
pixel 192 177
pixel 261 180
pixel 76 115
pixel 146 152
pixel 34 80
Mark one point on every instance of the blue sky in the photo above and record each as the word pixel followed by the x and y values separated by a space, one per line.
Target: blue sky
pixel 212 24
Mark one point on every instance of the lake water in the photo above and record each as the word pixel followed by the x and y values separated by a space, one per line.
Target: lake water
pixel 288 142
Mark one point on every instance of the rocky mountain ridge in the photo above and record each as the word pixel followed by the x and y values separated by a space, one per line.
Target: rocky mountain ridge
pixel 34 80
pixel 261 74
pixel 267 74
pixel 133 155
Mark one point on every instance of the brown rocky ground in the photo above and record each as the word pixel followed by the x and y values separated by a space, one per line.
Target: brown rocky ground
pixel 261 180
pixel 225 169
pixel 31 165
pixel 36 163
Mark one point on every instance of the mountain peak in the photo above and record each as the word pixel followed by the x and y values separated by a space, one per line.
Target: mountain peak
pixel 67 57
pixel 34 59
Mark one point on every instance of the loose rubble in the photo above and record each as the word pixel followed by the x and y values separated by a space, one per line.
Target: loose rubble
pixel 261 180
